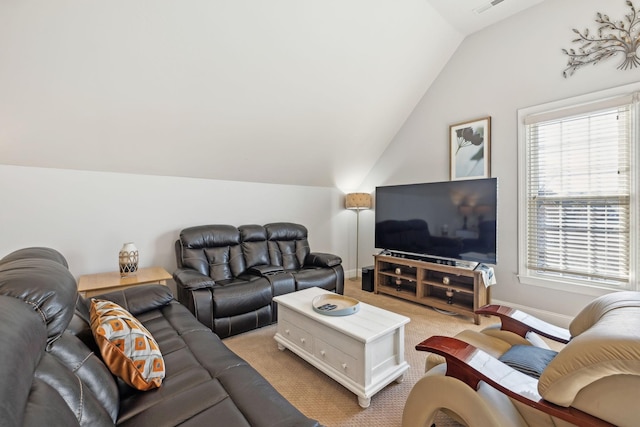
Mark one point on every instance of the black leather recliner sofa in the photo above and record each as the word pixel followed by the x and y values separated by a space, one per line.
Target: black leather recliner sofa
pixel 52 373
pixel 227 276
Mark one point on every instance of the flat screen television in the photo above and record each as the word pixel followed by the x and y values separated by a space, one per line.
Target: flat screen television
pixel 452 222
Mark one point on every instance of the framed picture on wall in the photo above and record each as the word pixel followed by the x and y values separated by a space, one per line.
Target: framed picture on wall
pixel 469 143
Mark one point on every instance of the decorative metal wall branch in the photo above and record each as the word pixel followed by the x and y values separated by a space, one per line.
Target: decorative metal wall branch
pixel 611 38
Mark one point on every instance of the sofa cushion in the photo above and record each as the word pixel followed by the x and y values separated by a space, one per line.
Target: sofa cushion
pixel 225 262
pixel 22 343
pixel 127 347
pixel 213 250
pixel 86 365
pixel 36 389
pixel 288 245
pixel 64 383
pixel 240 296
pixel 245 322
pixel 205 383
pixel 254 245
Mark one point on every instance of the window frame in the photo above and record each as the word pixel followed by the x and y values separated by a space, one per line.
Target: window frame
pixel 574 285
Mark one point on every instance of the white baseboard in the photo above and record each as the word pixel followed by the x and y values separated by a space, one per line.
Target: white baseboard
pixel 561 320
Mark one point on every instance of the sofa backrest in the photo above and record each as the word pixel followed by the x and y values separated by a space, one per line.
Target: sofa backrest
pixel 254 245
pixel 26 396
pixel 223 251
pixel 37 252
pixel 212 250
pixel 288 244
pixel 49 377
pixel 44 284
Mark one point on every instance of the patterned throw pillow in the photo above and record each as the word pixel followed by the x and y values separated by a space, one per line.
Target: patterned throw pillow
pixel 127 347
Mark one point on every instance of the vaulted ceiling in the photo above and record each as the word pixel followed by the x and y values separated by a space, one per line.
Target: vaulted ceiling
pixel 282 91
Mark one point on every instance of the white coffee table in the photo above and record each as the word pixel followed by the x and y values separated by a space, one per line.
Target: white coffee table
pixel 363 351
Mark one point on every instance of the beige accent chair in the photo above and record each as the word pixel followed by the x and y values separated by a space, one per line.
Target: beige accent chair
pixel 594 380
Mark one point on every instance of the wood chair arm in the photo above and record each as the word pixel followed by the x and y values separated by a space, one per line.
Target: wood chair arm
pixel 520 323
pixel 472 365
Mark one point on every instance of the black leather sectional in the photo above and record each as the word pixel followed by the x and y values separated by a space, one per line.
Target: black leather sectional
pixel 227 276
pixel 52 373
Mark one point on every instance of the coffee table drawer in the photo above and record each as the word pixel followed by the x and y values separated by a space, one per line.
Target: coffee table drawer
pixel 296 335
pixel 337 359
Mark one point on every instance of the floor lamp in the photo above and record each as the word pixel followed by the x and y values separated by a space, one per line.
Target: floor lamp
pixel 357 202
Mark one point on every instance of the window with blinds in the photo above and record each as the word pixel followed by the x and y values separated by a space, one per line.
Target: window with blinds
pixel 578 187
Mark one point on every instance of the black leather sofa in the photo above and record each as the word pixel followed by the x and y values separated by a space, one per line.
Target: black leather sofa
pixel 227 276
pixel 52 375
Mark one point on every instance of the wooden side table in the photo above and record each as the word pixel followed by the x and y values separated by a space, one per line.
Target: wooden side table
pixel 95 284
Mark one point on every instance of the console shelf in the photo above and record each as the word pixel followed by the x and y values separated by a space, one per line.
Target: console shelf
pixel 427 283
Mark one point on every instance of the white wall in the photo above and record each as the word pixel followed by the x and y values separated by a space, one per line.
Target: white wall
pixel 514 64
pixel 89 215
pixel 231 80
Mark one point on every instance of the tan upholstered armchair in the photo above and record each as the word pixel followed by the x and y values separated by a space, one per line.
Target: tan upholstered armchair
pixel 592 380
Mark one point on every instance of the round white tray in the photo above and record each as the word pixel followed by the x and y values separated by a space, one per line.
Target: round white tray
pixel 335 305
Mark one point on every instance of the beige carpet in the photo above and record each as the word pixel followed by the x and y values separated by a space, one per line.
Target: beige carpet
pixel 323 399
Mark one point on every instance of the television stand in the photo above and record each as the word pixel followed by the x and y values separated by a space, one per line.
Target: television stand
pixel 454 289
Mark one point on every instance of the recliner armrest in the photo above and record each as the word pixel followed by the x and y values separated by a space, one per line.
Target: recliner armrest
pixel 140 299
pixel 320 259
pixel 191 279
pixel 520 323
pixel 472 365
pixel 265 270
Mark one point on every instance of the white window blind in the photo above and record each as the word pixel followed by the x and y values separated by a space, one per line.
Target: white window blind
pixel 578 189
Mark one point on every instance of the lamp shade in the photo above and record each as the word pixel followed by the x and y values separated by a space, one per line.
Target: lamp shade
pixel 358 201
